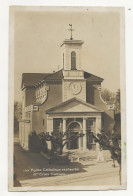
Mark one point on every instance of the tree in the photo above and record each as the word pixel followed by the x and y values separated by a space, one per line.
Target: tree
pixel 111 141
pixel 117 101
pixel 108 95
pixel 59 139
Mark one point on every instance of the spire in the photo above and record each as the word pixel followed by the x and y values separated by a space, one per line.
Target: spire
pixel 71 29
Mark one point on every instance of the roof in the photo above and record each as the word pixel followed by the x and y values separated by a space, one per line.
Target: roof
pixel 32 79
pixel 73 41
pixel 91 77
pixel 73 105
pixel 55 76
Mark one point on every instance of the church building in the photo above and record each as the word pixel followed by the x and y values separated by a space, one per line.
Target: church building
pixel 66 100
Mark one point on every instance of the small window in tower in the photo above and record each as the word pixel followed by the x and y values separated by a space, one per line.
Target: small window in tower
pixel 73 60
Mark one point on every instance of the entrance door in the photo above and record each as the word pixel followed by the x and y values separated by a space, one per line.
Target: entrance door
pixel 74 142
pixel 74 128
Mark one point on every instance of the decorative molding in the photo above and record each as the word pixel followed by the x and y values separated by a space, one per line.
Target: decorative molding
pixel 80 124
pixel 111 106
pixel 73 74
pixel 42 94
pixel 50 118
pixel 24 120
pixel 31 108
pixel 85 118
pixel 102 98
pixel 64 118
pixel 99 88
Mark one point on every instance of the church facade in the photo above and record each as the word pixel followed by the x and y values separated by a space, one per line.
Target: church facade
pixel 66 100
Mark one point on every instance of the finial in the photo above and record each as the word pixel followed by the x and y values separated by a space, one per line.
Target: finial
pixel 71 29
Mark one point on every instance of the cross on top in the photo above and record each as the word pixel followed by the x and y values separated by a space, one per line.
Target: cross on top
pixel 71 29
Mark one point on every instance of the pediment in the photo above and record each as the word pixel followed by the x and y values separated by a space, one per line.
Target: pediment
pixel 73 106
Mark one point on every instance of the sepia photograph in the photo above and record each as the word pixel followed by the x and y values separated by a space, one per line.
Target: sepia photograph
pixel 67 109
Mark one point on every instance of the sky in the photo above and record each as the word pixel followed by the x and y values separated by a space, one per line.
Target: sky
pixel 38 34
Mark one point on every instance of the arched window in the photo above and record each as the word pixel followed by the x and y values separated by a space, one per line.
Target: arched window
pixel 73 60
pixel 73 126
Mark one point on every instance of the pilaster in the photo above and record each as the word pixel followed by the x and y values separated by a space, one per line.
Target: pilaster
pixel 80 143
pixel 49 124
pixel 84 132
pixel 26 136
pixel 64 130
pixel 98 124
pixel 98 129
pixel 49 129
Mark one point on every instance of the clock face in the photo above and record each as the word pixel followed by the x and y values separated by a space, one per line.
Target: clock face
pixel 75 88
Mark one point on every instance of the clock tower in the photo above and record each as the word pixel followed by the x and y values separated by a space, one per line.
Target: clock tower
pixel 74 84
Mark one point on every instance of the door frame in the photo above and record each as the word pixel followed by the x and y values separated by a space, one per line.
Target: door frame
pixel 74 131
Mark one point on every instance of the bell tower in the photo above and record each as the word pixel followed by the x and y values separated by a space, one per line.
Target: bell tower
pixel 71 53
pixel 74 84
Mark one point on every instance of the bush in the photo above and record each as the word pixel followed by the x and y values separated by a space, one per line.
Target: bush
pixel 36 144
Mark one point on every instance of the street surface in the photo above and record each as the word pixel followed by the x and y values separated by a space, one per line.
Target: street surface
pixel 32 169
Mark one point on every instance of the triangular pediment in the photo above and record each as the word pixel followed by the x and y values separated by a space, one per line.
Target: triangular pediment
pixel 72 106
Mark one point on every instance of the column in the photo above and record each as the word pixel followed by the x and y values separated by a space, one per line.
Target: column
pixel 64 130
pixel 27 131
pixel 84 132
pixel 98 129
pixel 49 129
pixel 22 135
pixel 98 124
pixel 31 121
pixel 79 140
pixel 20 131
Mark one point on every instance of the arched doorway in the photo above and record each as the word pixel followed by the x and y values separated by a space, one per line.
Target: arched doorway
pixel 74 128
